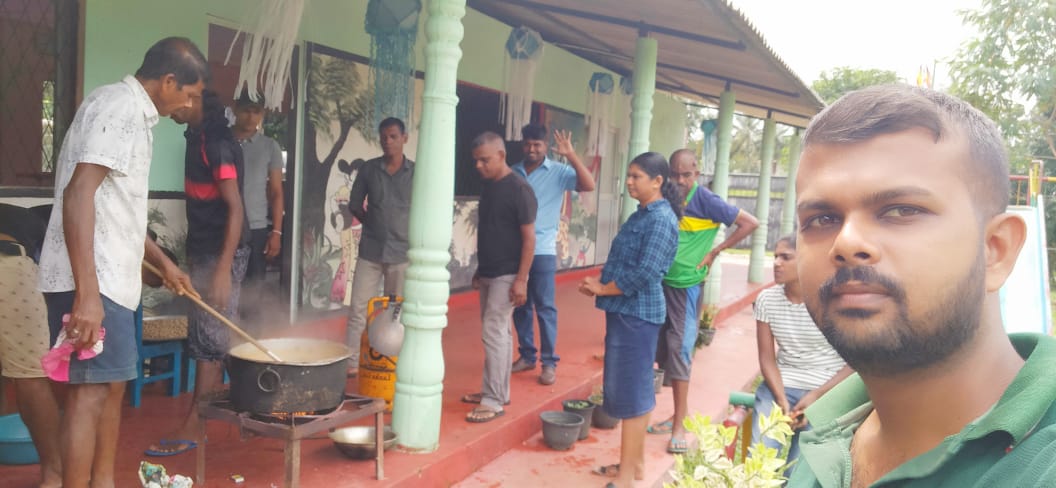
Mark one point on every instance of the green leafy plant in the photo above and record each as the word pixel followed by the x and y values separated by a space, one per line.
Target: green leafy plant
pixel 706 329
pixel 707 466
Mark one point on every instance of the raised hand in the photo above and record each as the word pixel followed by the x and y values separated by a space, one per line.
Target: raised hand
pixel 564 143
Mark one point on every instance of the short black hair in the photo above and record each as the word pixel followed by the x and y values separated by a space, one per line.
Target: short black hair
pixel 177 56
pixel 888 109
pixel 245 100
pixel 789 239
pixel 392 121
pixel 683 152
pixel 535 132
pixel 214 117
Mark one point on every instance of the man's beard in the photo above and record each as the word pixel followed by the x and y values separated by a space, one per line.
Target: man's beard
pixel 902 345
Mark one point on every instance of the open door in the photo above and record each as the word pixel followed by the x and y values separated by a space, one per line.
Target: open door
pixel 609 198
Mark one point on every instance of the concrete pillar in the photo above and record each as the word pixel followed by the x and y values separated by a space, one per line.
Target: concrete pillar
pixel 721 185
pixel 762 203
pixel 644 84
pixel 420 370
pixel 788 210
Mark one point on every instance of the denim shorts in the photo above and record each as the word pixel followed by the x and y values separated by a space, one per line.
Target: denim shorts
pixel 678 335
pixel 630 346
pixel 117 362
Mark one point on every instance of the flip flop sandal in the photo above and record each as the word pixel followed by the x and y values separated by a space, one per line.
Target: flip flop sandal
pixel 609 471
pixel 677 446
pixel 183 445
pixel 480 415
pixel 475 398
pixel 664 427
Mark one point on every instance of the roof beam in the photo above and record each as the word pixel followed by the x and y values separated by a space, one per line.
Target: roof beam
pixel 727 79
pixel 675 67
pixel 676 89
pixel 638 25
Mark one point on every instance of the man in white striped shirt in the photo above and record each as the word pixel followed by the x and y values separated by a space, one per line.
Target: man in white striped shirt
pixel 804 366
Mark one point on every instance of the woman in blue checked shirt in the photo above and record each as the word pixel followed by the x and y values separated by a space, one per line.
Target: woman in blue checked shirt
pixel 629 291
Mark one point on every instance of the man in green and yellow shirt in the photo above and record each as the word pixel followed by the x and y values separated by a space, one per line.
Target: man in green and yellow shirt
pixel 702 214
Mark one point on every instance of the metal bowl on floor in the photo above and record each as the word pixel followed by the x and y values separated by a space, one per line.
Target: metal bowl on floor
pixel 358 442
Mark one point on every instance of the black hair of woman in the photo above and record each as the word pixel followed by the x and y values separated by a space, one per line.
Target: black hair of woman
pixel 654 164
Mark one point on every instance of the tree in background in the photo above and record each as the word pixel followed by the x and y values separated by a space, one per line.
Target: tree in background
pixel 746 145
pixel 836 82
pixel 1007 72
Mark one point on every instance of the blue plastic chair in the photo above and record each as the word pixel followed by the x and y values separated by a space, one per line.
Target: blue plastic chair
pixel 155 349
pixel 192 368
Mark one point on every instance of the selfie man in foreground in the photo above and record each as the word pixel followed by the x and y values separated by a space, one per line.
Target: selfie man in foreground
pixel 904 243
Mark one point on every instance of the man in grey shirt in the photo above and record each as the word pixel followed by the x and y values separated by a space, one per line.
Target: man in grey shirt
pixel 385 184
pixel 262 191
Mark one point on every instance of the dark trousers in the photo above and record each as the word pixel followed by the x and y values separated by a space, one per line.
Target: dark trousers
pixel 257 265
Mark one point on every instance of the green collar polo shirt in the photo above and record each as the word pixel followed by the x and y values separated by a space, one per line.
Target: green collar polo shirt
pixel 1013 444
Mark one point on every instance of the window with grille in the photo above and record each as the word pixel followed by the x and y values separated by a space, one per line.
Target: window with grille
pixel 38 84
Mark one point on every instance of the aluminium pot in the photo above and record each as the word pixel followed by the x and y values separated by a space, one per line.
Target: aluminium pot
pixel 310 378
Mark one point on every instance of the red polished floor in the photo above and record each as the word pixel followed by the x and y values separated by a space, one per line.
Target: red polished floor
pixel 464 448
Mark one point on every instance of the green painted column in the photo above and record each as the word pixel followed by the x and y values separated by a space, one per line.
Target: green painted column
pixel 420 369
pixel 788 208
pixel 762 203
pixel 721 185
pixel 644 84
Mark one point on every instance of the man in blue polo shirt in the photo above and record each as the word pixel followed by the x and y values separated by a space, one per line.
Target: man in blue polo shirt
pixel 549 180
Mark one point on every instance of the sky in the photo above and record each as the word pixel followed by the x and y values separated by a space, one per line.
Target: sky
pixel 812 36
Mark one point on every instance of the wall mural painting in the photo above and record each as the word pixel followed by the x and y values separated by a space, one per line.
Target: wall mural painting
pixel 339 136
pixel 464 243
pixel 578 228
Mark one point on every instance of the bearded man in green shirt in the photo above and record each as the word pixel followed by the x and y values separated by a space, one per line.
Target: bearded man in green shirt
pixel 904 243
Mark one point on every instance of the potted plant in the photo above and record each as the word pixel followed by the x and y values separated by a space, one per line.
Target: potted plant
pixel 599 419
pixel 706 329
pixel 707 466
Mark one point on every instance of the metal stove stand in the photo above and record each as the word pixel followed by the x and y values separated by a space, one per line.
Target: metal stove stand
pixel 295 429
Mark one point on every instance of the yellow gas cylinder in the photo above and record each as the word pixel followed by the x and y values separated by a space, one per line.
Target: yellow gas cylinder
pixel 377 372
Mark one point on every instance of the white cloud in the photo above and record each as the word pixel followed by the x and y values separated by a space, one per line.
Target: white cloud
pixel 812 36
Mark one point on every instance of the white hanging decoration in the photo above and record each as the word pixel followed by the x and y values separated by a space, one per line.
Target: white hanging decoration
pixel 599 113
pixel 524 50
pixel 268 49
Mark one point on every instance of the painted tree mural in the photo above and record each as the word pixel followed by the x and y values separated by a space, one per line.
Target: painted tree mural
pixel 338 101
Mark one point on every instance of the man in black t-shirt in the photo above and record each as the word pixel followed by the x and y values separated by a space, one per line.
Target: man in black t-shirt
pixel 505 247
pixel 217 250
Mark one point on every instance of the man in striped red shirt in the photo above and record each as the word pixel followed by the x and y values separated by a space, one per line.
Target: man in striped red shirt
pixel 217 249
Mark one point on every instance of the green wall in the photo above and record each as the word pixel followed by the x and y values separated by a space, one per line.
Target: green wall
pixel 118 32
pixel 666 134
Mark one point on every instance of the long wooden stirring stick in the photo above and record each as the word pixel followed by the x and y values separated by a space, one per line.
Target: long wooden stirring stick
pixel 214 313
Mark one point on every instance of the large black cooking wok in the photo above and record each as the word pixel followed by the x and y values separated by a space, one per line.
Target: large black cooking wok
pixel 311 376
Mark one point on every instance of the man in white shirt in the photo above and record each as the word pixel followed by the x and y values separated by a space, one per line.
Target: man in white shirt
pixel 90 267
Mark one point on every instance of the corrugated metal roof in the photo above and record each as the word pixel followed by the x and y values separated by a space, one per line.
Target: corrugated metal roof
pixel 704 45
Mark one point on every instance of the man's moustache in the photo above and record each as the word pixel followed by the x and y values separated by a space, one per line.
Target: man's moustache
pixel 867 275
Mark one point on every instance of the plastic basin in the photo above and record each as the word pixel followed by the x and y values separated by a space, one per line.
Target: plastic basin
pixel 16 447
pixel 560 429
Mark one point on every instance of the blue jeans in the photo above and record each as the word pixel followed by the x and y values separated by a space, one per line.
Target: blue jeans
pixel 541 299
pixel 764 401
pixel 117 362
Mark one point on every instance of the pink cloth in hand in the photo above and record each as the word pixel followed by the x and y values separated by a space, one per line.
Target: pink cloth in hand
pixel 56 362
